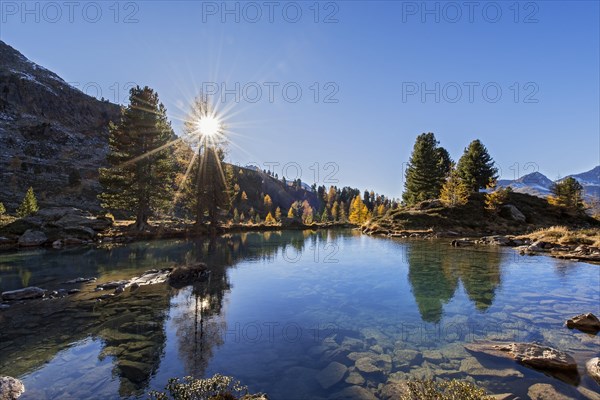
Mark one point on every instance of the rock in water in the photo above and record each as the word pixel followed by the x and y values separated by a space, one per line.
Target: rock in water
pixel 584 322
pixel 331 374
pixel 529 354
pixel 593 368
pixel 32 238
pixel 10 388
pixel 31 292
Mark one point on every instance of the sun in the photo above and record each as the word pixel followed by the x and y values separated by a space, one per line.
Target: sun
pixel 209 126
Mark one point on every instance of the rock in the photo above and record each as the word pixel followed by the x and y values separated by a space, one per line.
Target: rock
pixel 120 289
pixel 4 306
pixel 429 204
pixel 593 368
pixel 10 388
pixel 32 238
pixel 539 246
pixel 80 280
pixel 151 277
pixel 394 391
pixel 497 240
pixel 353 393
pixel 187 275
pixel 331 374
pixel 31 292
pixel 112 284
pixel 80 232
pixel 529 354
pixel 57 244
pixel 463 242
pixel 511 212
pixel 377 364
pixel 73 291
pixel 354 378
pixel 544 391
pixel 585 323
pixel 134 371
pixel 472 367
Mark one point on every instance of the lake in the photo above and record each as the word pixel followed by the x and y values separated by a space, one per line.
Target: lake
pixel 280 307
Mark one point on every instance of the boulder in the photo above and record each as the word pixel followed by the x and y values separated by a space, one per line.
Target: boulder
pixel 529 354
pixel 331 374
pixel 463 242
pixel 32 238
pixel 511 212
pixel 585 323
pixel 31 292
pixel 593 368
pixel 10 388
pixel 544 391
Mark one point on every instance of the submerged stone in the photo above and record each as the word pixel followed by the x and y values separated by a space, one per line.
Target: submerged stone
pixel 331 374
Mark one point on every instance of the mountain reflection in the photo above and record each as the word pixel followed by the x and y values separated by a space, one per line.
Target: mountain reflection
pixel 434 271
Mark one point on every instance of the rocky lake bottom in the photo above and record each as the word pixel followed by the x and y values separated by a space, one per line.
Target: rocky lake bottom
pixel 297 315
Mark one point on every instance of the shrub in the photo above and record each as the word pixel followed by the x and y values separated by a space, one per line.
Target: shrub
pixel 2 209
pixel 443 390
pixel 218 387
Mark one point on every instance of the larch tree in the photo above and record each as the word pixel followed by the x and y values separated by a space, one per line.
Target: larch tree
pixel 454 191
pixel 278 214
pixel 140 176
pixel 359 212
pixel 476 166
pixel 29 204
pixel 427 170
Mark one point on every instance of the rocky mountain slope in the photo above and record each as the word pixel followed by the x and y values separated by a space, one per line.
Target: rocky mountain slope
pixel 53 137
pixel 537 184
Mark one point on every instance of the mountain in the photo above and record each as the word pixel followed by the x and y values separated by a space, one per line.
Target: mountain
pixel 53 137
pixel 537 184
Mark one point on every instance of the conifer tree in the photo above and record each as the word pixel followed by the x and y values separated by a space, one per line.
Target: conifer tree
pixel 343 216
pixel 140 176
pixel 495 197
pixel 2 209
pixel 567 193
pixel 242 218
pixel 335 211
pixel 380 210
pixel 29 205
pixel 359 212
pixel 236 216
pixel 257 219
pixel 454 192
pixel 267 202
pixel 269 219
pixel 427 168
pixel 290 213
pixel 324 216
pixel 476 166
pixel 244 196
pixel 278 214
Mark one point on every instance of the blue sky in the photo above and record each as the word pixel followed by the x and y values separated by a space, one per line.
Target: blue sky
pixel 372 75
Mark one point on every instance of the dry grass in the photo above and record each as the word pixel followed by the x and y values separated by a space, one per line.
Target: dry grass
pixel 566 236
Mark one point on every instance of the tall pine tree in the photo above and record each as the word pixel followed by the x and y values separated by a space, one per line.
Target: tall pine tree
pixel 476 167
pixel 427 169
pixel 139 180
pixel 29 205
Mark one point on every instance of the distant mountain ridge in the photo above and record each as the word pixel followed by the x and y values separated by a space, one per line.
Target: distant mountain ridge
pixel 537 184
